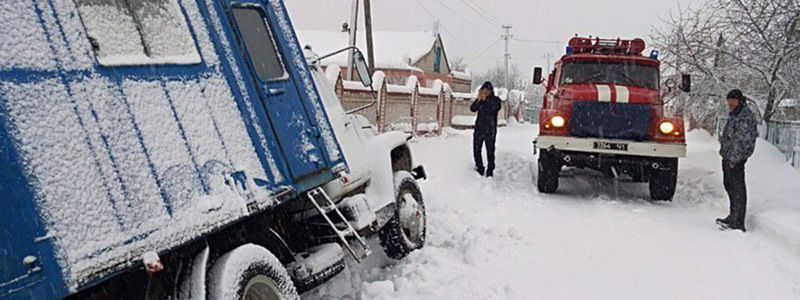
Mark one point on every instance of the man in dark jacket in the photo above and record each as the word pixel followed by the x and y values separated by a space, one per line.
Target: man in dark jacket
pixel 487 105
pixel 737 143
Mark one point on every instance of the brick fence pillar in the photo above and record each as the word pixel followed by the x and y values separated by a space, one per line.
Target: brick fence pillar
pixel 382 103
pixel 415 109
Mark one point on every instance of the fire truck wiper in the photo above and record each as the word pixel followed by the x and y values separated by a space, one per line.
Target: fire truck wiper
pixel 631 80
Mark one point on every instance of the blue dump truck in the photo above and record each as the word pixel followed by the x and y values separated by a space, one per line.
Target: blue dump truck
pixel 178 149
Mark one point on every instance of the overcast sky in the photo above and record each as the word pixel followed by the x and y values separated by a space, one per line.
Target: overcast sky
pixel 469 27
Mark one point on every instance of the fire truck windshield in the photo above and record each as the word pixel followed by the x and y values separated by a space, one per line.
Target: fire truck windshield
pixel 623 73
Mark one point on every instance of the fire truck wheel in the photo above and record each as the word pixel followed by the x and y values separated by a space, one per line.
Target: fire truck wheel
pixel 407 229
pixel 549 167
pixel 638 174
pixel 250 272
pixel 664 180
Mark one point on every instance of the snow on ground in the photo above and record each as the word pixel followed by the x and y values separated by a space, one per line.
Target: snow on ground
pixel 597 238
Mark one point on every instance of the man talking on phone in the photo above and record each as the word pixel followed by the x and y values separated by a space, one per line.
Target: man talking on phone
pixel 487 105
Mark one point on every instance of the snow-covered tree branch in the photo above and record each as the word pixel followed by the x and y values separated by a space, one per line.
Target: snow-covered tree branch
pixel 753 45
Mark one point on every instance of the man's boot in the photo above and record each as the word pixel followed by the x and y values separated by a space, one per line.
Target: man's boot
pixel 738 226
pixel 480 170
pixel 726 220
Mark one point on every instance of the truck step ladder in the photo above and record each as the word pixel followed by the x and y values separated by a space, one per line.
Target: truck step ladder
pixel 327 207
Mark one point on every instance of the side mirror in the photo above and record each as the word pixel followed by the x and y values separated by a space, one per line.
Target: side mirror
pixel 537 75
pixel 362 69
pixel 686 83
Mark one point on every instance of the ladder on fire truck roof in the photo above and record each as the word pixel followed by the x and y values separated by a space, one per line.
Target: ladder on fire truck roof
pixel 327 207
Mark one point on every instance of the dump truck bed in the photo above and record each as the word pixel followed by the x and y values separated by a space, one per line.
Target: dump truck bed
pixel 108 157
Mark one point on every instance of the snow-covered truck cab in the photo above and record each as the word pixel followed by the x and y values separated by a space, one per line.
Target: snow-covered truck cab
pixel 603 109
pixel 379 194
pixel 151 149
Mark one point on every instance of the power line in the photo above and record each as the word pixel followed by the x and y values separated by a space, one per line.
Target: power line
pixel 536 41
pixel 489 18
pixel 427 11
pixel 468 20
pixel 483 51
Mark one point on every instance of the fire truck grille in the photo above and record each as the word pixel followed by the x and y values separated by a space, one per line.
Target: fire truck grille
pixel 610 121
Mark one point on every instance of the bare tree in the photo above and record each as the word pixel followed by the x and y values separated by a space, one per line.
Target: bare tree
pixel 458 64
pixel 496 75
pixel 753 45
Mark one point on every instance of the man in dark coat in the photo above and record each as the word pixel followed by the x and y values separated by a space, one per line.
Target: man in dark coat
pixel 487 105
pixel 737 143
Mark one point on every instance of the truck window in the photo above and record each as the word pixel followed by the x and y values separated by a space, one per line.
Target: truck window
pixel 622 73
pixel 137 32
pixel 259 43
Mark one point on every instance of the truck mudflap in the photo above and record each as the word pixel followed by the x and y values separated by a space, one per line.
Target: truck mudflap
pixel 608 146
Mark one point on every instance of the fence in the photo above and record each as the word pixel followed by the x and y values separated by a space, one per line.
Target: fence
pixel 414 108
pixel 785 135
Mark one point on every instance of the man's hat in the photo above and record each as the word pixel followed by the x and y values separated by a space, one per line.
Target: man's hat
pixel 736 94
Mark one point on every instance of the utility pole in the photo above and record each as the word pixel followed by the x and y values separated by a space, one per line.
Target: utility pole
pixel 353 31
pixel 368 28
pixel 548 56
pixel 507 37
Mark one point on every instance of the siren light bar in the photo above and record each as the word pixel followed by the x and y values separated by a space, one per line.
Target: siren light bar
pixel 606 46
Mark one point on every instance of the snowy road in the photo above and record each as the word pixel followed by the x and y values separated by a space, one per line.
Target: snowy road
pixel 598 238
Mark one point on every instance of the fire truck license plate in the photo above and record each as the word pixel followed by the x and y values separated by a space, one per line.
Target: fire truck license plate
pixel 611 146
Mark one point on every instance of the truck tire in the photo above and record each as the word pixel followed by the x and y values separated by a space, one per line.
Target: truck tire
pixel 407 229
pixel 664 180
pixel 250 272
pixel 637 175
pixel 549 168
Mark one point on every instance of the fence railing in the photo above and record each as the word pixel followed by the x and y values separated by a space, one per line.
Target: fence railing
pixel 785 136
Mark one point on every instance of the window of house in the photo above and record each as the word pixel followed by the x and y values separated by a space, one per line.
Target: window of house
pixel 259 43
pixel 437 62
pixel 137 32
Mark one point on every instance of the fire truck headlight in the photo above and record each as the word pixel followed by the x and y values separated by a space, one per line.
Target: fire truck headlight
pixel 558 121
pixel 666 127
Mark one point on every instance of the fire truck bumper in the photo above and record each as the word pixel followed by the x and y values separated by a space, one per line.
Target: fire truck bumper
pixel 612 147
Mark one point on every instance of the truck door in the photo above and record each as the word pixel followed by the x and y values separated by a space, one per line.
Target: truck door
pixel 286 112
pixel 25 265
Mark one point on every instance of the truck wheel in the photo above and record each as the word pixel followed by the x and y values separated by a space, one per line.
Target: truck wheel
pixel 637 175
pixel 663 180
pixel 549 167
pixel 407 229
pixel 250 272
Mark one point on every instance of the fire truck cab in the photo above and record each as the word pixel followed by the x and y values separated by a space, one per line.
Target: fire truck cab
pixel 603 109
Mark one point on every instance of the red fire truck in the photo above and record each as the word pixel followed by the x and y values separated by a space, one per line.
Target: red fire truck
pixel 603 109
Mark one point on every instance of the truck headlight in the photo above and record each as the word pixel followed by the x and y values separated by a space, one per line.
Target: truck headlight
pixel 666 127
pixel 558 121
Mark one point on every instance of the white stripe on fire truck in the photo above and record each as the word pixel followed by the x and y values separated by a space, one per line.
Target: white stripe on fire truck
pixel 623 94
pixel 603 93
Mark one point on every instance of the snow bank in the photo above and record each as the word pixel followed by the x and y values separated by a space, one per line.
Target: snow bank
pixel 464 121
pixel 597 238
